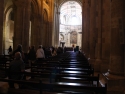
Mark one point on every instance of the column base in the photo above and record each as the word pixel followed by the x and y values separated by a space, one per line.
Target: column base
pixel 115 84
pixel 99 65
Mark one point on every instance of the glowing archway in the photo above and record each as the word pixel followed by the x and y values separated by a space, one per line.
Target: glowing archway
pixel 71 21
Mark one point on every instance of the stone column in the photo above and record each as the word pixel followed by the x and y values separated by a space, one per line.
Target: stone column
pixel 98 28
pixel 124 36
pixel 115 75
pixel 35 32
pixel 93 32
pixel 98 48
pixel 56 26
pixel 22 22
pixel 49 34
pixel 117 47
pixel 85 27
pixel 1 25
pixel 51 22
pixel 26 24
pixel 18 23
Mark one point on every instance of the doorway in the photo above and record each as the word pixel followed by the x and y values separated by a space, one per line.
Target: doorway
pixel 70 24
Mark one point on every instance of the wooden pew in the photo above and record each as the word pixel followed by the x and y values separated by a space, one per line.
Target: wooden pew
pixel 54 88
pixel 75 88
pixel 75 66
pixel 78 78
pixel 61 86
pixel 61 70
pixel 54 77
pixel 24 86
pixel 43 75
pixel 75 62
pixel 4 65
pixel 58 64
pixel 34 76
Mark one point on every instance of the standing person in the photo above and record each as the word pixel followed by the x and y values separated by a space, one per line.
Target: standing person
pixel 28 49
pixel 17 65
pixel 32 54
pixel 40 53
pixel 10 50
pixel 19 49
pixel 27 55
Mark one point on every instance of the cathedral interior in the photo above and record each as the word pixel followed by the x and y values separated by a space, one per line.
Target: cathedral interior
pixel 95 26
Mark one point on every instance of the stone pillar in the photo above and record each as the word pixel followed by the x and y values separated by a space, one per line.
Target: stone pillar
pixel 44 33
pixel 124 35
pixel 105 34
pixel 51 20
pixel 85 27
pixel 21 28
pixel 115 75
pixel 117 47
pixel 55 41
pixel 98 28
pixel 98 48
pixel 93 34
pixel 25 39
pixel 18 23
pixel 50 32
pixel 35 32
pixel 1 25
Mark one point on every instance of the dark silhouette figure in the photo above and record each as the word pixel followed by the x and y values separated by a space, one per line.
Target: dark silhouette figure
pixel 10 50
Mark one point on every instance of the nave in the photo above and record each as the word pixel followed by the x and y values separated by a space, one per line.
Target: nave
pixel 66 73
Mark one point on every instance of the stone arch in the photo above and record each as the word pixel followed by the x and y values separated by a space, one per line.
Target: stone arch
pixel 8 31
pixel 61 37
pixel 45 16
pixel 64 1
pixel 35 6
pixel 57 8
pixel 69 26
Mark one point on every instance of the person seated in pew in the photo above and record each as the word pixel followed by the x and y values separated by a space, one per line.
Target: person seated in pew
pixel 53 51
pixel 17 65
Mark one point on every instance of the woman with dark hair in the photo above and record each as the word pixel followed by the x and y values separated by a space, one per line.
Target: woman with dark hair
pixel 53 52
pixel 19 49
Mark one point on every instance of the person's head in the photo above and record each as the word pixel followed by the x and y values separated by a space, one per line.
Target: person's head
pixel 19 47
pixel 32 47
pixel 18 55
pixel 40 46
pixel 53 49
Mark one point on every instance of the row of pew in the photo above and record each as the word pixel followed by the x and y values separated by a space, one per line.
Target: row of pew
pixel 67 73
